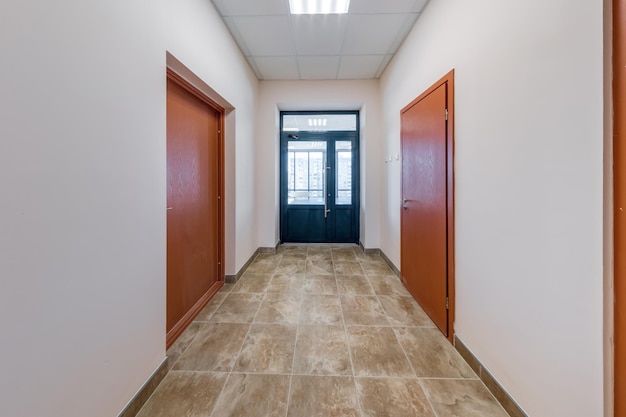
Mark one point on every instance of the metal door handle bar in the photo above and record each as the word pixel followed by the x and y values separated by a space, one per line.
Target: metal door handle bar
pixel 325 194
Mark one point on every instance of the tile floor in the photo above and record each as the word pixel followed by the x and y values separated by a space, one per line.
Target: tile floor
pixel 317 331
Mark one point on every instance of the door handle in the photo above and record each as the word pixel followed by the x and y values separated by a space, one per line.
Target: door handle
pixel 324 191
pixel 170 208
pixel 404 203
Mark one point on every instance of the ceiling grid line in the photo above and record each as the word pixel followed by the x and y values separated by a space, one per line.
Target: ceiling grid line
pixel 282 46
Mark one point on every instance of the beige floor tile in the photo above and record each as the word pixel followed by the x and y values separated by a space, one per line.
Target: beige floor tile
pixel 392 397
pixel 431 355
pixel 466 398
pixel 376 352
pixel 375 268
pixel 279 308
pixel 322 350
pixel 294 256
pixel 215 348
pixel 354 285
pixel 268 256
pixel 269 348
pixel 388 285
pixel 315 267
pixel 363 310
pixel 320 309
pixel 348 268
pixel 319 249
pixel 250 282
pixel 320 285
pixel 292 248
pixel 226 288
pixel 189 394
pixel 291 267
pixel 265 265
pixel 183 342
pixel 346 254
pixel 404 311
pixel 321 396
pixel 211 307
pixel 253 396
pixel 325 257
pixel 237 308
pixel 286 284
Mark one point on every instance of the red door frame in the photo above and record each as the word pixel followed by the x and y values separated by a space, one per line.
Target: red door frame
pixel 173 333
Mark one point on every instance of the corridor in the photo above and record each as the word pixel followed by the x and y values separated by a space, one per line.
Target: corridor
pixel 317 331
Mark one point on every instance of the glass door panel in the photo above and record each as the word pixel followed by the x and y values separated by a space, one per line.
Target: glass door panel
pixel 343 158
pixel 306 164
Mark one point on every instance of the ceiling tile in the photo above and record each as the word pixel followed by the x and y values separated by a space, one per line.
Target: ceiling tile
pixel 402 31
pixel 383 66
pixel 252 8
pixel 319 34
pixel 318 67
pixel 362 40
pixel 387 6
pixel 360 66
pixel 265 36
pixel 277 68
pixel 232 27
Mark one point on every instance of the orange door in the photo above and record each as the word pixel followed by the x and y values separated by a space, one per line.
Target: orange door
pixel 193 209
pixel 424 254
pixel 619 176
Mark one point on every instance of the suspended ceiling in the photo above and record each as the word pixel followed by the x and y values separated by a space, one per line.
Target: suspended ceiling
pixel 356 45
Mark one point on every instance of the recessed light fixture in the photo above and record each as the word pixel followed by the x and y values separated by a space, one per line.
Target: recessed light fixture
pixel 319 6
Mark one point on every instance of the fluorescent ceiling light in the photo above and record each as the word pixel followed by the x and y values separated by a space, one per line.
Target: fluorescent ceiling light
pixel 319 6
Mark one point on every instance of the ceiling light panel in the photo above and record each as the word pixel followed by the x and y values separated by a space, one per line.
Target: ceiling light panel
pixel 319 6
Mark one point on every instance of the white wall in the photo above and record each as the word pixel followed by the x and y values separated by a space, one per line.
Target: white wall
pixel 197 37
pixel 317 95
pixel 528 187
pixel 82 174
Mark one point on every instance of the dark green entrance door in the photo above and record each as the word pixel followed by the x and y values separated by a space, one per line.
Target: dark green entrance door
pixel 319 179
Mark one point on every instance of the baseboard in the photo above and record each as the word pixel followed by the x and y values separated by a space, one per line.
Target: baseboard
pixel 369 251
pixel 391 265
pixel 140 399
pixel 231 279
pixel 269 249
pixel 186 320
pixel 503 397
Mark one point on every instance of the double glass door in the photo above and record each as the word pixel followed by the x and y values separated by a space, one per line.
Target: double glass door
pixel 319 184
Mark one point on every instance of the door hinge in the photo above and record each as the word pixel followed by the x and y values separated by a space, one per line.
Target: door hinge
pixel 446 114
pixel 447 304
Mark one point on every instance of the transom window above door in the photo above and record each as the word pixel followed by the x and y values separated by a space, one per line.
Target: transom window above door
pixel 320 122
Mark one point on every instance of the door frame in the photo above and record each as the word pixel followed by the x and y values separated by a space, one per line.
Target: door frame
pixel 313 136
pixel 182 81
pixel 449 80
pixel 619 202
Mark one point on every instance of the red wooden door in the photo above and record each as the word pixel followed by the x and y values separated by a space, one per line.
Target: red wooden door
pixel 619 178
pixel 192 198
pixel 424 253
